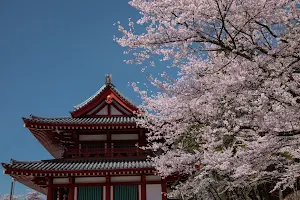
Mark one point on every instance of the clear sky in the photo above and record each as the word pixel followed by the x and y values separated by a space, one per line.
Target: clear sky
pixel 53 55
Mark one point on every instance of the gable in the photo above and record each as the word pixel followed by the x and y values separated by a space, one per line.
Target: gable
pixel 107 101
pixel 112 108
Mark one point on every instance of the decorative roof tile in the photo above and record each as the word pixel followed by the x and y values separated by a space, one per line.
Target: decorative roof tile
pixel 79 165
pixel 110 120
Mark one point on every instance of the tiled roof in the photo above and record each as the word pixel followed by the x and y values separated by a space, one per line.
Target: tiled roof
pixel 91 120
pixel 67 165
pixel 91 98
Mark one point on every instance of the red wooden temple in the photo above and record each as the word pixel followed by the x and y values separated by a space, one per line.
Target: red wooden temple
pixel 95 153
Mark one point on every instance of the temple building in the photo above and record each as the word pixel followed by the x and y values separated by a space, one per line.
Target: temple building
pixel 95 153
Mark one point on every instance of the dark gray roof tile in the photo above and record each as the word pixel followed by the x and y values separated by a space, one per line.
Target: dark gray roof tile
pixel 92 120
pixel 64 165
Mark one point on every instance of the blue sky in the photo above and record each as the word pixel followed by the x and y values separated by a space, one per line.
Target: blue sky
pixel 53 55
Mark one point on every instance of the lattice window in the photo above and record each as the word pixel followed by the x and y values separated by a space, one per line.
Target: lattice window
pixel 126 192
pixel 90 193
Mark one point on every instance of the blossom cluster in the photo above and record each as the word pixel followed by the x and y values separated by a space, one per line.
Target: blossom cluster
pixel 230 121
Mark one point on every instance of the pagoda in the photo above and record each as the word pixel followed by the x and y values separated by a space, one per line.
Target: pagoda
pixel 96 153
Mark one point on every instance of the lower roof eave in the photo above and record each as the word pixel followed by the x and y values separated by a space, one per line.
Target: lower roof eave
pixel 104 122
pixel 13 171
pixel 80 167
pixel 79 126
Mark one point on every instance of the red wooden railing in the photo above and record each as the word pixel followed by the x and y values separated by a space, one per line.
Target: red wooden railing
pixel 108 152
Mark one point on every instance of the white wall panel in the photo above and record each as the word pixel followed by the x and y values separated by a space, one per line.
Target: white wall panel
pixel 104 111
pixel 92 137
pixel 90 180
pixel 124 136
pixel 153 178
pixel 122 108
pixel 114 111
pixel 125 178
pixel 60 180
pixel 96 108
pixel 153 192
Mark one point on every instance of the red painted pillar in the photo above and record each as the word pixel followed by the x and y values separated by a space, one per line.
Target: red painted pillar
pixel 107 188
pixel 143 188
pixel 50 193
pixel 71 193
pixel 164 189
pixel 71 189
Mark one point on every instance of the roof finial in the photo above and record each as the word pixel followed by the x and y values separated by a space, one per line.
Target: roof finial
pixel 108 78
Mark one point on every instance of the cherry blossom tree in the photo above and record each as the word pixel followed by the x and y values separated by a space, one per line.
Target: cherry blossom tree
pixel 33 195
pixel 30 195
pixel 229 124
pixel 7 197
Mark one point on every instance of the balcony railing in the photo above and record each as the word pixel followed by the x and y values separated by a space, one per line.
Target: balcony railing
pixel 107 152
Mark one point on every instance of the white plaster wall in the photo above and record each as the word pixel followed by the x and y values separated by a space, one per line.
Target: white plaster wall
pixel 121 108
pixel 124 136
pixel 96 108
pixel 114 111
pixel 90 180
pixel 125 178
pixel 60 180
pixel 153 192
pixel 92 137
pixel 153 178
pixel 104 111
